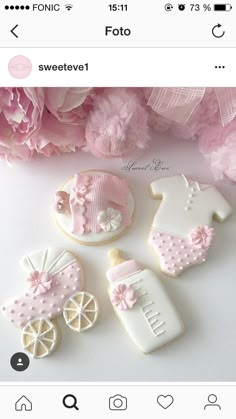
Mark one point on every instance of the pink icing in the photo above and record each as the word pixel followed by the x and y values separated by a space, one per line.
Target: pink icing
pixel 122 270
pixel 92 194
pixel 202 236
pixel 78 198
pixel 50 304
pixel 176 253
pixel 123 297
pixel 40 282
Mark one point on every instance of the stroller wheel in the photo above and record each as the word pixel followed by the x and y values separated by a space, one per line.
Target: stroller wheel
pixel 81 311
pixel 40 337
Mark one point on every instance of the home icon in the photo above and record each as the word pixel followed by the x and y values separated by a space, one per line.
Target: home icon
pixel 23 404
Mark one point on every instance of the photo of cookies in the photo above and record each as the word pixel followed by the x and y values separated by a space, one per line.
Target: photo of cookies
pixel 134 190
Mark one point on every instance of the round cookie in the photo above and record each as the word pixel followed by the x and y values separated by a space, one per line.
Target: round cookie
pixel 94 207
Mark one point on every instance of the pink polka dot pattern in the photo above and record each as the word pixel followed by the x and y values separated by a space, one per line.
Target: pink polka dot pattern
pixel 50 304
pixel 176 253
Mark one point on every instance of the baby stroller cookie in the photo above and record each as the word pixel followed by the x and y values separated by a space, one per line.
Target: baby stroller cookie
pixel 55 287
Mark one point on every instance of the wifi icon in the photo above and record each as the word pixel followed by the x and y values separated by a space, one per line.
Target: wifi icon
pixel 68 7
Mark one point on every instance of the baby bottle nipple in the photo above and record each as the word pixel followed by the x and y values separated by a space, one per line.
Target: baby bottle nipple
pixel 115 257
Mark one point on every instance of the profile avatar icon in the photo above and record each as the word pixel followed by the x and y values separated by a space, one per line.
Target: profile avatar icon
pixel 212 399
pixel 20 363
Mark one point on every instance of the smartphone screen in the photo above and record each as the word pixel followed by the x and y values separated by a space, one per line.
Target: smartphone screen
pixel 117 216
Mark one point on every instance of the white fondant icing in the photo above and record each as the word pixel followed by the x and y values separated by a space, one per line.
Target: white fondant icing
pixel 51 260
pixel 175 215
pixel 81 311
pixel 40 337
pixel 153 321
pixel 64 220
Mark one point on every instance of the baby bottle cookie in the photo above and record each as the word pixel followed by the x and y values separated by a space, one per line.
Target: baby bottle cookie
pixel 142 305
pixel 55 283
pixel 182 230
pixel 94 207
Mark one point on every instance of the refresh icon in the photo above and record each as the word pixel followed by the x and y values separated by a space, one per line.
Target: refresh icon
pixel 215 31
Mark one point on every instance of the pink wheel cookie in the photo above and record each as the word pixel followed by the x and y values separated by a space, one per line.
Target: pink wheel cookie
pixel 54 278
pixel 94 207
pixel 182 231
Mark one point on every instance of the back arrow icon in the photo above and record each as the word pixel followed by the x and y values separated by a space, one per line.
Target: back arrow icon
pixel 213 31
pixel 12 31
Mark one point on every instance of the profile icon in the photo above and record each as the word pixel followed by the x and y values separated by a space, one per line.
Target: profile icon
pixel 212 399
pixel 20 67
pixel 19 361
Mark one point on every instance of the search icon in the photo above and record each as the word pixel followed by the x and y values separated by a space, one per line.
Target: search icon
pixel 70 401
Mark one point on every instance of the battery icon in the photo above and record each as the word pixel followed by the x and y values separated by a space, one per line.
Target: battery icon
pixel 222 7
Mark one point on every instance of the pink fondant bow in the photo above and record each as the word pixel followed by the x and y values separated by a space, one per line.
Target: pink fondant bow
pixel 178 104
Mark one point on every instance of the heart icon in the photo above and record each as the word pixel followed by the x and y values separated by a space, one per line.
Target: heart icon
pixel 165 401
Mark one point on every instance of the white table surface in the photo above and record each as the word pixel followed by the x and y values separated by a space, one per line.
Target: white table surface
pixel 204 295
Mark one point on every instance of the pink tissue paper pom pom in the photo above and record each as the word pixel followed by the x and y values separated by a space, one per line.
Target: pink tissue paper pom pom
pixel 21 112
pixel 118 124
pixel 218 145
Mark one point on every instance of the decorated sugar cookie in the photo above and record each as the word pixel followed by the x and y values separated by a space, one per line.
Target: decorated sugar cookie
pixel 182 230
pixel 142 305
pixel 54 287
pixel 94 207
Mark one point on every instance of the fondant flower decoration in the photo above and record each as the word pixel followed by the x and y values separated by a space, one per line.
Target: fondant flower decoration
pixel 202 236
pixel 79 193
pixel 109 219
pixel 61 202
pixel 123 297
pixel 40 282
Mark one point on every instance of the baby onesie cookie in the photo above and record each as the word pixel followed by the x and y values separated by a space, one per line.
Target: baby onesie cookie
pixel 142 304
pixel 94 207
pixel 182 229
pixel 55 283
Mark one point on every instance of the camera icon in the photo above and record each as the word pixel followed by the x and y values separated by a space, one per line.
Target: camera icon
pixel 118 402
pixel 181 7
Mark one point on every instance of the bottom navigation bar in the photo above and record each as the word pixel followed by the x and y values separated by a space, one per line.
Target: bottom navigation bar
pixel 136 401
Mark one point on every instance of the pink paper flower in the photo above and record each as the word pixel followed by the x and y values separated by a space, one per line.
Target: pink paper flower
pixel 56 137
pixel 21 112
pixel 123 297
pixel 65 103
pixel 40 282
pixel 202 236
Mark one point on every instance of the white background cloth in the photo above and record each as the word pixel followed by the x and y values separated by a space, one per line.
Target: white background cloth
pixel 204 295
